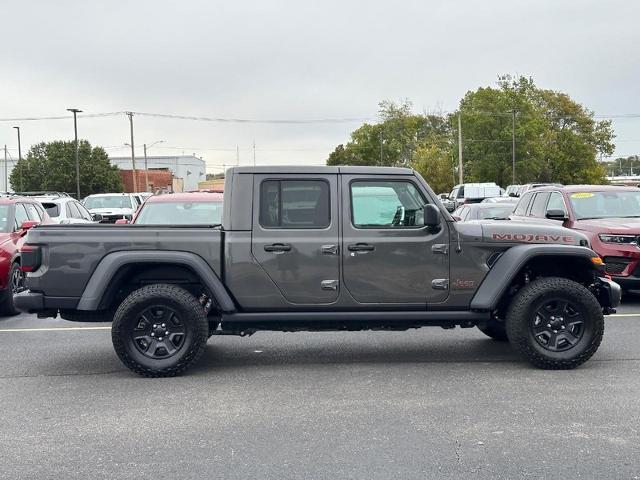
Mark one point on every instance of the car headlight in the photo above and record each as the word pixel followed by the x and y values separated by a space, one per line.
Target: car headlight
pixel 608 238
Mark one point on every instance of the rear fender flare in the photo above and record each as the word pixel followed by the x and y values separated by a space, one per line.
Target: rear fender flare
pixel 511 262
pixel 111 263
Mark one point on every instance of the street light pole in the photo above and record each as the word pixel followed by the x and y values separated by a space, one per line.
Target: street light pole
pixel 133 153
pixel 75 112
pixel 20 157
pixel 146 169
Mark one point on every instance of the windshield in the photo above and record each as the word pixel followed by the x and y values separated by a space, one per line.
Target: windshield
pixel 108 201
pixel 605 204
pixel 180 213
pixel 496 212
pixel 4 218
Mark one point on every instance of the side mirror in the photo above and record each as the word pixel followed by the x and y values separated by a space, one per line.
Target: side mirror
pixel 97 217
pixel 28 224
pixel 122 221
pixel 431 216
pixel 558 214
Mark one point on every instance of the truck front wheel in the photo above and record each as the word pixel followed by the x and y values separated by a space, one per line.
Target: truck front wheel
pixel 555 323
pixel 159 330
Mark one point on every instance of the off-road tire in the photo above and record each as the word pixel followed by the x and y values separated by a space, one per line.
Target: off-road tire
pixel 192 318
pixel 494 329
pixel 522 313
pixel 7 308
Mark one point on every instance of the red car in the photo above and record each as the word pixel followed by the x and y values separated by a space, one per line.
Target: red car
pixel 609 216
pixel 17 216
pixel 192 208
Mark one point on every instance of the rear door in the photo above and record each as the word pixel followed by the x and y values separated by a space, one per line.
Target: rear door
pixel 388 255
pixel 295 235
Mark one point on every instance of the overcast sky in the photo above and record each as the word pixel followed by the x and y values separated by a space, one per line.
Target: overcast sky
pixel 296 60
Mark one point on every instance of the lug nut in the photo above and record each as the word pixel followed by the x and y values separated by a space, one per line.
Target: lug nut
pixel 153 334
pixel 548 325
pixel 160 338
pixel 167 333
pixel 562 327
pixel 163 325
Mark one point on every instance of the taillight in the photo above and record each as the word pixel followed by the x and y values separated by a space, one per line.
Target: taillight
pixel 30 258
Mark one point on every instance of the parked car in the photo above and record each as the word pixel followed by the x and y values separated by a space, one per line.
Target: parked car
pixel 180 209
pixel 483 211
pixel 65 210
pixel 512 200
pixel 608 216
pixel 112 206
pixel 473 193
pixel 322 248
pixel 448 203
pixel 529 186
pixel 511 190
pixel 17 216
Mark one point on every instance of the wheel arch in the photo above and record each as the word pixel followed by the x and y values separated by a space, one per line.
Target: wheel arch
pixel 572 262
pixel 119 267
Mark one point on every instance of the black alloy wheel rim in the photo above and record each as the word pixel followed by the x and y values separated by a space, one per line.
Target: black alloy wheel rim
pixel 558 325
pixel 158 332
pixel 17 280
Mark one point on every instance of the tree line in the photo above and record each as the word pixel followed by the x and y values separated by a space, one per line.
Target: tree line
pixel 556 138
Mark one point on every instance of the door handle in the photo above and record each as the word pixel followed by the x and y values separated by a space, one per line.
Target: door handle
pixel 361 247
pixel 277 247
pixel 329 249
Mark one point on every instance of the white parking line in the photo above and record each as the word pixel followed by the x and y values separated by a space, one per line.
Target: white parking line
pixel 54 329
pixel 624 315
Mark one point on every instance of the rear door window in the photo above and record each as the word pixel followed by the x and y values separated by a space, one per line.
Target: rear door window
pixel 539 206
pixel 32 212
pixel 294 204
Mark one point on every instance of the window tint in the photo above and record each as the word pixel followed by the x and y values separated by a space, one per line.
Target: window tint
pixel 21 216
pixel 556 202
pixel 386 204
pixel 539 207
pixel 294 204
pixel 53 210
pixel 521 208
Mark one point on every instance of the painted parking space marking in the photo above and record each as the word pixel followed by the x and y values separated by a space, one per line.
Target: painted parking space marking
pixel 52 329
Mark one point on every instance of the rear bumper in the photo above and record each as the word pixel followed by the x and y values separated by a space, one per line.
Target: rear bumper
pixel 630 282
pixel 33 302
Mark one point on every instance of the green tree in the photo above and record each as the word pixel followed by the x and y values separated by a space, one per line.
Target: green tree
pixel 557 139
pixel 433 162
pixel 52 166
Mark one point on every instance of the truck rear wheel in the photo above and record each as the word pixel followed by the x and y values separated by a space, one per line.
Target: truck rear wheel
pixel 159 330
pixel 555 323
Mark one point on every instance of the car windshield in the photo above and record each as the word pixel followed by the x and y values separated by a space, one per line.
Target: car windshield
pixel 180 213
pixel 605 204
pixel 496 212
pixel 4 218
pixel 108 201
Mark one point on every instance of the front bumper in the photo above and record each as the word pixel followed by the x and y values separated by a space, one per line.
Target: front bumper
pixel 610 294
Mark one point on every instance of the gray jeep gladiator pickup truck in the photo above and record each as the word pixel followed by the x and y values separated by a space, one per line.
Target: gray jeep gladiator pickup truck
pixel 321 248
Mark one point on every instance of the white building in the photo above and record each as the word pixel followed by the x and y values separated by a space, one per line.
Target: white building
pixel 189 168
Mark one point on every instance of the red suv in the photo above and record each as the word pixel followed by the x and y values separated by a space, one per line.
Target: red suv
pixel 609 216
pixel 17 216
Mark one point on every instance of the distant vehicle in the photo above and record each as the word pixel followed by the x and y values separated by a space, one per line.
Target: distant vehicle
pixel 112 206
pixel 473 192
pixel 17 216
pixel 528 186
pixel 483 211
pixel 608 216
pixel 43 193
pixel 500 200
pixel 141 197
pixel 511 190
pixel 448 203
pixel 65 210
pixel 196 208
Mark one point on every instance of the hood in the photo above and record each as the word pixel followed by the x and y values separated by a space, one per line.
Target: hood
pixel 498 231
pixel 609 225
pixel 112 211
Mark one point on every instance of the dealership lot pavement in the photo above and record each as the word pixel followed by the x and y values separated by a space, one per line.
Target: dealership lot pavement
pixel 419 404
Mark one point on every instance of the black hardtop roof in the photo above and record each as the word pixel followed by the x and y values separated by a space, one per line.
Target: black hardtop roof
pixel 323 170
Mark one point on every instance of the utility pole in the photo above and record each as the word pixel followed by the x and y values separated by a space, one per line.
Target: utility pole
pixel 513 147
pixel 146 170
pixel 20 157
pixel 460 172
pixel 75 112
pixel 133 154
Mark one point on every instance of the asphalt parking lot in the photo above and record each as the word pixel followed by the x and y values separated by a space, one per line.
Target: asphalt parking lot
pixel 425 403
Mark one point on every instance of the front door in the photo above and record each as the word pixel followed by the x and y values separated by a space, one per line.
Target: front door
pixel 388 255
pixel 295 235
